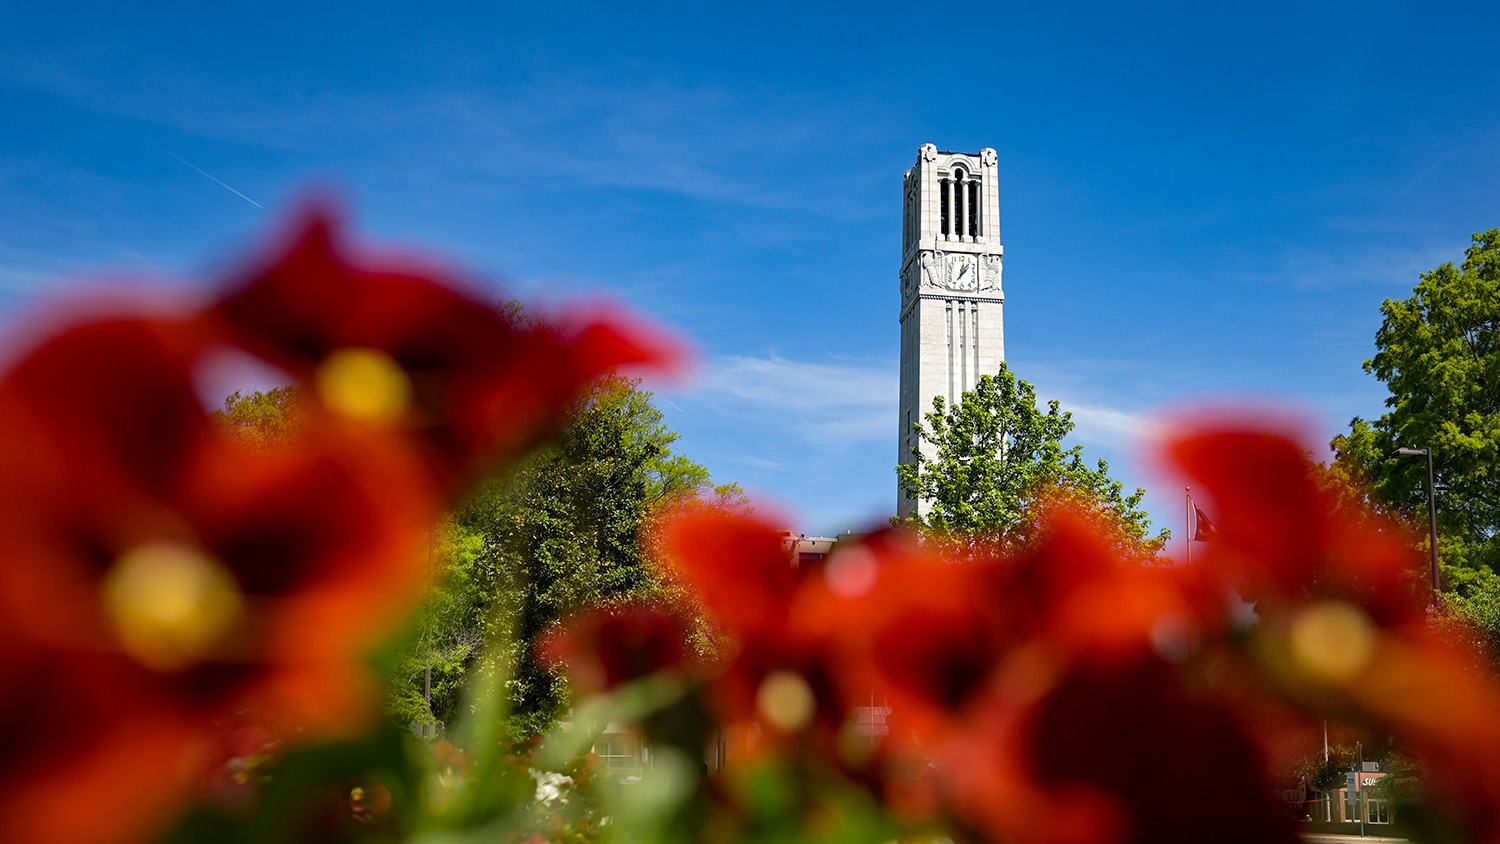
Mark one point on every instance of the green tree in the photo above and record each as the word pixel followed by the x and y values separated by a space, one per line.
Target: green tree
pixel 556 534
pixel 1438 352
pixel 429 672
pixel 269 420
pixel 994 454
pixel 559 534
pixel 1470 613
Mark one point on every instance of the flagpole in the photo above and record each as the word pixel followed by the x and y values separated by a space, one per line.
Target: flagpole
pixel 1187 517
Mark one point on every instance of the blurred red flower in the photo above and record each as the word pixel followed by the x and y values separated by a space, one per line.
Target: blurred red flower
pixel 397 348
pixel 165 575
pixel 904 626
pixel 1284 536
pixel 1341 626
pixel 605 647
pixel 160 579
pixel 1047 687
pixel 775 680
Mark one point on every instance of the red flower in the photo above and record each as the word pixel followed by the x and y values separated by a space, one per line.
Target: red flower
pixel 777 674
pixel 160 580
pixel 1092 723
pixel 167 577
pixel 99 754
pixel 1067 695
pixel 1114 751
pixel 396 348
pixel 603 648
pixel 930 635
pixel 736 565
pixel 1341 625
pixel 903 626
pixel 1283 537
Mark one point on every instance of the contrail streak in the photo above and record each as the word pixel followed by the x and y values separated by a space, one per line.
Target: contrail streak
pixel 208 175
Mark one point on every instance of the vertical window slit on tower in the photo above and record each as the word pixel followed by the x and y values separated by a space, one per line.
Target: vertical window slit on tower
pixel 957 203
pixel 943 193
pixel 963 346
pixel 974 208
pixel 960 203
pixel 912 220
pixel 955 207
pixel 974 337
pixel 948 335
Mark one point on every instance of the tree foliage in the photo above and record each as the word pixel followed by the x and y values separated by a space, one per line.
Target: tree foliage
pixel 268 420
pixel 525 551
pixel 555 536
pixel 995 454
pixel 1470 613
pixel 1438 352
pixel 561 533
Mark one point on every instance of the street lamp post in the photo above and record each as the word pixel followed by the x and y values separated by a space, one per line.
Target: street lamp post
pixel 1359 784
pixel 1431 511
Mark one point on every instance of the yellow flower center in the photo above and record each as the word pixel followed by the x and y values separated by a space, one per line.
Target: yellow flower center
pixel 170 604
pixel 364 384
pixel 1332 641
pixel 785 701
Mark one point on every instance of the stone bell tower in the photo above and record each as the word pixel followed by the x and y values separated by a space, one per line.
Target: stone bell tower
pixel 952 325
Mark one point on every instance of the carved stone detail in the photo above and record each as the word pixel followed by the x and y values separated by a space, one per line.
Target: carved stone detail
pixel 929 152
pixel 959 271
pixel 989 276
pixel 932 269
pixel 988 156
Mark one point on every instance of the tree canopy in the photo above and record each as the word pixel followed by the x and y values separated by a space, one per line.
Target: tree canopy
pixel 561 534
pixel 558 533
pixel 995 454
pixel 1438 352
pixel 268 420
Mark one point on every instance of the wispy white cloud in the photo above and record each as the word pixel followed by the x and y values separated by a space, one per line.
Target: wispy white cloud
pixel 113 79
pixel 779 466
pixel 1111 427
pixel 643 130
pixel 818 386
pixel 21 279
pixel 727 146
pixel 1114 401
pixel 1355 265
pixel 842 403
pixel 559 124
pixel 833 404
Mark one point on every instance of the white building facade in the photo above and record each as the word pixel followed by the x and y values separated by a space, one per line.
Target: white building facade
pixel 952 304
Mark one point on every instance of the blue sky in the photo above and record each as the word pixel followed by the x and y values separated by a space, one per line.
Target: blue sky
pixel 1196 200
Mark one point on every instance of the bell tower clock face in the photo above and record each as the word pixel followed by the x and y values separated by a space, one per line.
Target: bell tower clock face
pixel 961 273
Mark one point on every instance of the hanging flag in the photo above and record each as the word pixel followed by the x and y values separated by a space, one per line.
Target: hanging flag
pixel 1203 529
